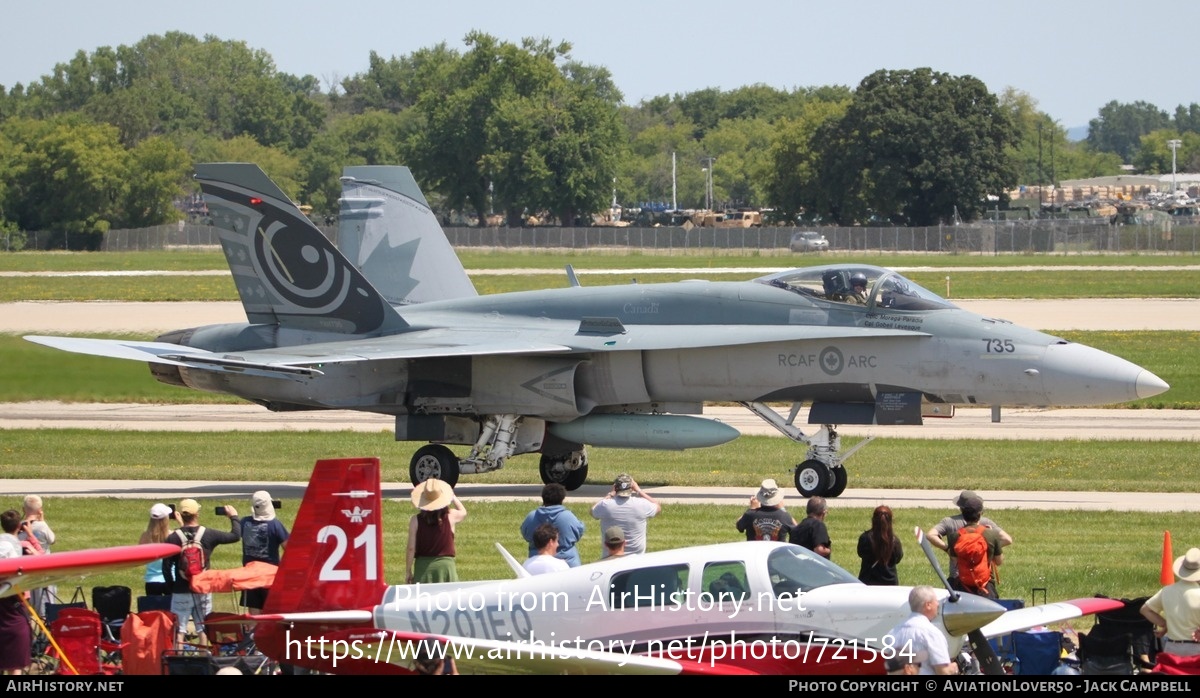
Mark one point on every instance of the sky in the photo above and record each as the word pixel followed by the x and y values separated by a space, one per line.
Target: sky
pixel 1070 57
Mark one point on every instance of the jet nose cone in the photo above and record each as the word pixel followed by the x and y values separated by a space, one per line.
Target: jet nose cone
pixel 1079 375
pixel 1149 385
pixel 969 613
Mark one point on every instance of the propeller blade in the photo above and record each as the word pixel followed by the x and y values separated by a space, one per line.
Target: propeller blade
pixel 985 654
pixel 931 554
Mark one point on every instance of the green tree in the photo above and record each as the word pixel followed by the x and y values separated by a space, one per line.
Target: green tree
pixel 917 147
pixel 1119 127
pixel 157 172
pixel 508 120
pixel 794 182
pixel 70 176
pixel 370 138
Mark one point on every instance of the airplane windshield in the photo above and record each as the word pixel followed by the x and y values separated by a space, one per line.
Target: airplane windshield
pixel 794 568
pixel 857 285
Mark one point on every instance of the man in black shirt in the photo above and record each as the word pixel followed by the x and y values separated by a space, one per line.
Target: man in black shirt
pixel 766 519
pixel 811 532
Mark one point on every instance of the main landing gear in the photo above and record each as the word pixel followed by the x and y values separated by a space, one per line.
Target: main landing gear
pixel 823 472
pixel 498 439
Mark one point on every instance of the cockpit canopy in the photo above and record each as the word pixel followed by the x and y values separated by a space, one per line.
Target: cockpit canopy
pixel 884 290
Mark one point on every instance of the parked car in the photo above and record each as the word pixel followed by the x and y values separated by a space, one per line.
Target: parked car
pixel 808 241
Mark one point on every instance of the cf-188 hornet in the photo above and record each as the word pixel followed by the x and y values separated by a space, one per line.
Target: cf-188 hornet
pixel 390 323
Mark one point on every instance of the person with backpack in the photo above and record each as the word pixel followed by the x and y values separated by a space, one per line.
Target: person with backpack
pixel 977 554
pixel 937 534
pixel 196 545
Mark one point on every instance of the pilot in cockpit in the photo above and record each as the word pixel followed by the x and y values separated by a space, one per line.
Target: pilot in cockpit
pixel 858 288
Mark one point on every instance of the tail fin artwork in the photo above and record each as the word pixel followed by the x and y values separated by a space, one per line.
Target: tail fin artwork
pixel 389 233
pixel 331 574
pixel 287 273
pixel 334 558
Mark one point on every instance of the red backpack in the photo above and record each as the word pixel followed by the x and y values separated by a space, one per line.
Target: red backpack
pixel 191 555
pixel 971 555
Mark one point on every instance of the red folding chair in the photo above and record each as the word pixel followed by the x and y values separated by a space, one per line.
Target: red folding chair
pixel 79 633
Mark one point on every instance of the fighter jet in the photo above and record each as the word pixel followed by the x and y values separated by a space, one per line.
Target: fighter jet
pixel 390 323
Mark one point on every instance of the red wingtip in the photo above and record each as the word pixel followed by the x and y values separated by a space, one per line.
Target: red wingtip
pixel 1167 575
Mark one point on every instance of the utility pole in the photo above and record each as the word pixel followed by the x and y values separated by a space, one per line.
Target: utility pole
pixel 708 182
pixel 1174 144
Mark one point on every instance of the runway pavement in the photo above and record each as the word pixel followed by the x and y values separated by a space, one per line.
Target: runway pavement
pixel 852 498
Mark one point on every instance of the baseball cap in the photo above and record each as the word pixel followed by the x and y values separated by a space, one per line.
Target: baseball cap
pixel 614 535
pixel 623 485
pixel 189 506
pixel 160 511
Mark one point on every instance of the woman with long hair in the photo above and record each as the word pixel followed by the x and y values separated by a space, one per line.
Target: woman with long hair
pixel 430 556
pixel 880 550
pixel 156 532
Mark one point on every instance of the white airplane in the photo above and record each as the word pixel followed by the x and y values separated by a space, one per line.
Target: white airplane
pixel 731 608
pixel 391 324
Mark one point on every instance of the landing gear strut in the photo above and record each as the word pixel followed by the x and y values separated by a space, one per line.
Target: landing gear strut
pixel 823 472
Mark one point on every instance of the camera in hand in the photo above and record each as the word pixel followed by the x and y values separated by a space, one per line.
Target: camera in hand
pixel 220 511
pixel 278 504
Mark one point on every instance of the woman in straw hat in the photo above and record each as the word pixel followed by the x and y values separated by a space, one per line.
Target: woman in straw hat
pixel 431 533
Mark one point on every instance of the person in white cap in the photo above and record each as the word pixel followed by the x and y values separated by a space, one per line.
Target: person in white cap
pixel 766 519
pixel 157 530
pixel 263 539
pixel 1175 609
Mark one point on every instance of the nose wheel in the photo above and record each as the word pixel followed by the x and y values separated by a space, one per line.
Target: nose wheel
pixel 816 479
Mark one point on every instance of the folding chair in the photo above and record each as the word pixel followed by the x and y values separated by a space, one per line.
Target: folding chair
pixel 154 603
pixel 145 636
pixel 187 663
pixel 112 603
pixel 78 632
pixel 55 605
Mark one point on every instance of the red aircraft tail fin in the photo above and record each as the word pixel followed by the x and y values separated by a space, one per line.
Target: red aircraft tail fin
pixel 334 555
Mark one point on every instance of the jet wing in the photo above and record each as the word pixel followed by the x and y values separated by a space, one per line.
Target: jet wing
pixel 1033 616
pixel 589 335
pixel 20 574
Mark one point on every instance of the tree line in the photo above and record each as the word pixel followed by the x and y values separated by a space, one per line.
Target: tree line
pixel 108 139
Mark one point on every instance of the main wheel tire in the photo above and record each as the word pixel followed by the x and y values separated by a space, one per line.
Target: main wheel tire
pixel 553 468
pixel 433 461
pixel 813 478
pixel 840 476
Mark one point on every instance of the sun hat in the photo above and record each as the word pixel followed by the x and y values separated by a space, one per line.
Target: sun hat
pixel 189 506
pixel 432 494
pixel 160 511
pixel 264 509
pixel 614 535
pixel 623 485
pixel 1187 566
pixel 769 494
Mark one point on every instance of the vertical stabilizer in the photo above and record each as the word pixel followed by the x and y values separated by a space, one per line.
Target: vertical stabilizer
pixel 389 233
pixel 287 273
pixel 334 556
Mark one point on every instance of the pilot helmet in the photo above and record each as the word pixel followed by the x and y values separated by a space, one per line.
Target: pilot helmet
pixel 858 279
